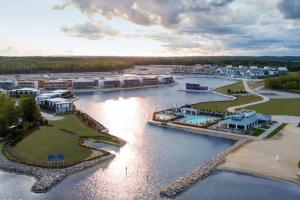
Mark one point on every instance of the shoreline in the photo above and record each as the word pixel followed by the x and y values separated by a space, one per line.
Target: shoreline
pixel 284 145
pixel 47 178
pixel 203 131
pixel 121 89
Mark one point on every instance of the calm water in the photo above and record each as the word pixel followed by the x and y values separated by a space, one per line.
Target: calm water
pixel 153 156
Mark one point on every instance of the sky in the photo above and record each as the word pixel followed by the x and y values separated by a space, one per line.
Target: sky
pixel 149 27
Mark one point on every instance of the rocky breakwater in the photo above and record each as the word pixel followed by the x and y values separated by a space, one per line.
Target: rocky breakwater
pixel 182 184
pixel 47 178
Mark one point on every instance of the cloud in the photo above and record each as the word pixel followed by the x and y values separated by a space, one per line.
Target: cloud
pixel 151 12
pixel 8 51
pixel 198 25
pixel 290 8
pixel 90 30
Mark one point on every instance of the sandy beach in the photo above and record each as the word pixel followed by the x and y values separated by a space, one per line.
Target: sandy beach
pixel 259 157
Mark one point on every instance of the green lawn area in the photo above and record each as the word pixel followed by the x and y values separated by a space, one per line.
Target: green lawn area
pixel 234 87
pixel 279 107
pixel 223 105
pixel 277 130
pixel 255 84
pixel 63 137
pixel 257 131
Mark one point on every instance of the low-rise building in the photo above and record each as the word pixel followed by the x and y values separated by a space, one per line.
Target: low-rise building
pixel 28 84
pixel 282 70
pixel 56 84
pixel 54 94
pixel 57 105
pixel 150 80
pixel 131 82
pixel 166 79
pixel 23 91
pixel 110 83
pixel 245 120
pixel 255 73
pixel 84 83
pixel 6 84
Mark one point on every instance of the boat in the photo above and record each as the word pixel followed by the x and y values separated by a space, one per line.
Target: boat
pixel 195 87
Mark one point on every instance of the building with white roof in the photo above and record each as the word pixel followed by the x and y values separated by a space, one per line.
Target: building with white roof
pixel 23 91
pixel 57 105
pixel 245 120
pixel 54 94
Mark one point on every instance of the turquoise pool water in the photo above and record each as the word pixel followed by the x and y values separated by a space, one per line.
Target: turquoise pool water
pixel 196 119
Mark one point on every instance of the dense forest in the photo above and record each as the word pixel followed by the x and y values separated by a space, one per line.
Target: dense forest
pixel 11 65
pixel 290 82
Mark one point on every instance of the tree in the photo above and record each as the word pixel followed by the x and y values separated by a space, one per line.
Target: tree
pixel 29 110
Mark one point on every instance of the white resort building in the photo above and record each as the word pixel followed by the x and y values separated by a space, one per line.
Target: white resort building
pixel 245 120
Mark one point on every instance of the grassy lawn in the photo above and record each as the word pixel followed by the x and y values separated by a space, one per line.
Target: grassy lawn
pixel 63 137
pixel 257 131
pixel 223 105
pixel 279 107
pixel 255 84
pixel 277 130
pixel 234 87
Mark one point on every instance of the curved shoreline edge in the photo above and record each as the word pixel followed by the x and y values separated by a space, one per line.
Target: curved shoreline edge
pixel 46 178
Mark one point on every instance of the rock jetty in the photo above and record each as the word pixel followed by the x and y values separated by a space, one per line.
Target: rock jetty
pixel 47 178
pixel 182 184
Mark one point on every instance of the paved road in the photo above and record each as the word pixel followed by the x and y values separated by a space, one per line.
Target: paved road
pixel 248 90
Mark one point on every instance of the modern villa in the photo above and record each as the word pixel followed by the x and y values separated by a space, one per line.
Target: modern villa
pixel 54 94
pixel 23 91
pixel 245 120
pixel 57 105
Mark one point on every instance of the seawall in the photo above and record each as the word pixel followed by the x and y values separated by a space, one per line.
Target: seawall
pixel 203 131
pixel 182 184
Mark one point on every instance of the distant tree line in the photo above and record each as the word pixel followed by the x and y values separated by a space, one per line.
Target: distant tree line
pixel 14 65
pixel 285 82
pixel 17 118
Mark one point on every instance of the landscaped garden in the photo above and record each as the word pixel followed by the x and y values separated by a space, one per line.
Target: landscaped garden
pixel 65 137
pixel 239 86
pixel 222 106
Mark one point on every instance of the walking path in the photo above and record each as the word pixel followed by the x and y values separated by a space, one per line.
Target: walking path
pixel 248 90
pixel 270 130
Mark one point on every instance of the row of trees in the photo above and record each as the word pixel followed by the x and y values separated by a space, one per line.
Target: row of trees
pixel 285 82
pixel 17 117
pixel 13 65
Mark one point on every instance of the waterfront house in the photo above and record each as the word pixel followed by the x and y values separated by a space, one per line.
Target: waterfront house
pixel 28 84
pixel 57 105
pixel 54 94
pixel 23 91
pixel 56 84
pixel 245 120
pixel 6 85
pixel 110 83
pixel 282 70
pixel 152 80
pixel 255 73
pixel 166 79
pixel 84 83
pixel 131 82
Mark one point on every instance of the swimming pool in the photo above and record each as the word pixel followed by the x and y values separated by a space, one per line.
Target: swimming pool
pixel 196 119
